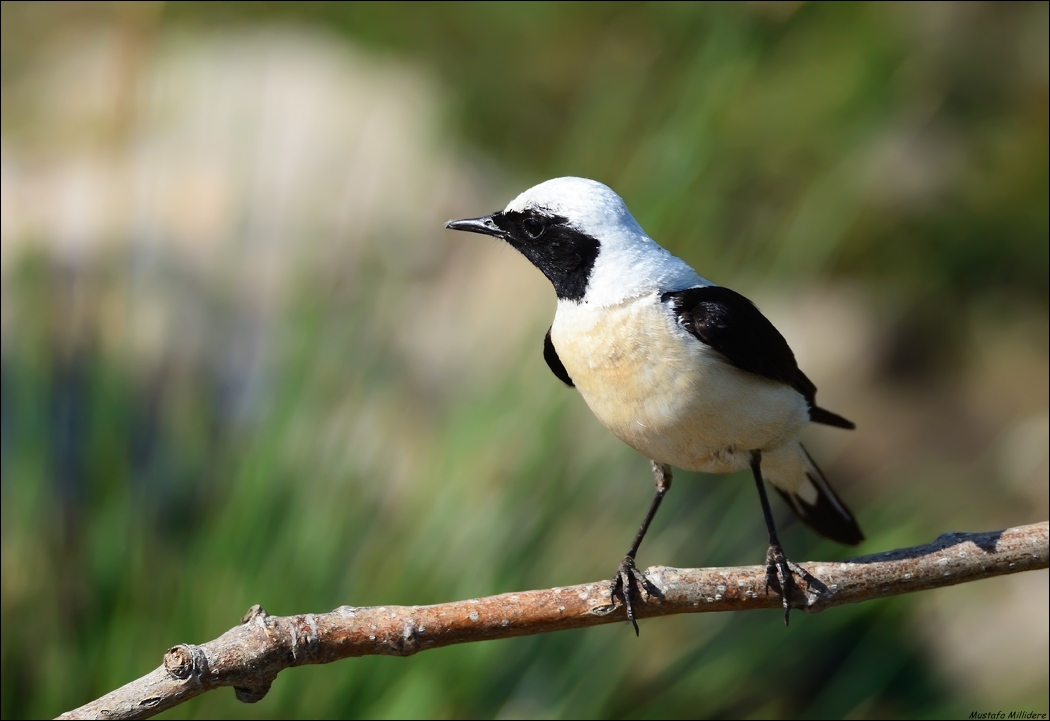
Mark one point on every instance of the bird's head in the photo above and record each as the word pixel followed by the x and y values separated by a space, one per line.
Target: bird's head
pixel 579 233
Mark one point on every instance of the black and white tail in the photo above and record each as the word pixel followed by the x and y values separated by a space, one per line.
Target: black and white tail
pixel 798 480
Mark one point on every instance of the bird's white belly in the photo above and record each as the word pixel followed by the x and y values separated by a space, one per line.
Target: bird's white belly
pixel 666 394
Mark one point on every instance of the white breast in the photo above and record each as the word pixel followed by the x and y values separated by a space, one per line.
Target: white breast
pixel 666 394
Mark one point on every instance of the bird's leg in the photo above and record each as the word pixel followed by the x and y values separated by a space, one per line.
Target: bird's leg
pixel 778 571
pixel 627 574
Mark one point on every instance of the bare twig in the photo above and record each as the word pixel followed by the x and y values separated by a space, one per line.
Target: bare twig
pixel 249 656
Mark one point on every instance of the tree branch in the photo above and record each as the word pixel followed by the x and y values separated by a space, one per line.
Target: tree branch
pixel 249 656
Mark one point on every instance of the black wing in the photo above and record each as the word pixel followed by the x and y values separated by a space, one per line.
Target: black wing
pixel 733 326
pixel 551 356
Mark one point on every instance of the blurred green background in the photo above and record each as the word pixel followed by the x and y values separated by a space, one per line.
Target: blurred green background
pixel 242 362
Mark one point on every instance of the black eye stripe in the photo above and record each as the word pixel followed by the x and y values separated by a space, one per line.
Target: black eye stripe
pixel 565 254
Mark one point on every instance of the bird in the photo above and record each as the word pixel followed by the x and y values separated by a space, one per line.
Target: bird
pixel 688 373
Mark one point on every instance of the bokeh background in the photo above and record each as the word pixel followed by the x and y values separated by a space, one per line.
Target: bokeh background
pixel 243 362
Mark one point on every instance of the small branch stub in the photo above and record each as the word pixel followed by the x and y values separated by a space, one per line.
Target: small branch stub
pixel 178 662
pixel 249 656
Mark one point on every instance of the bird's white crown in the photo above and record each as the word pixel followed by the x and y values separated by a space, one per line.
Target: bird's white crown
pixel 629 263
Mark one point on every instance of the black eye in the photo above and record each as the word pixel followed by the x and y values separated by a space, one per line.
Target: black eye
pixel 533 228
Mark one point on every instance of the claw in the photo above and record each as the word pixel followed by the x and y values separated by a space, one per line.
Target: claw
pixel 779 577
pixel 626 576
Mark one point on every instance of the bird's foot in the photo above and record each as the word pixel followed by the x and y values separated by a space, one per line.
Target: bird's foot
pixel 626 578
pixel 779 576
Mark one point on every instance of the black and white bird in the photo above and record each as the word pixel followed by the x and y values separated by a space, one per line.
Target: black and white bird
pixel 686 372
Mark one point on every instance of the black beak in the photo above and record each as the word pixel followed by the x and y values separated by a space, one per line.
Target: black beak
pixel 485 225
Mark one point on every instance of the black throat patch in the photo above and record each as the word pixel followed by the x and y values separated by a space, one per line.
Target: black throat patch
pixel 565 255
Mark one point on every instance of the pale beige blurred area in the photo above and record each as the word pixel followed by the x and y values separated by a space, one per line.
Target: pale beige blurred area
pixel 168 173
pixel 244 162
pixel 990 640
